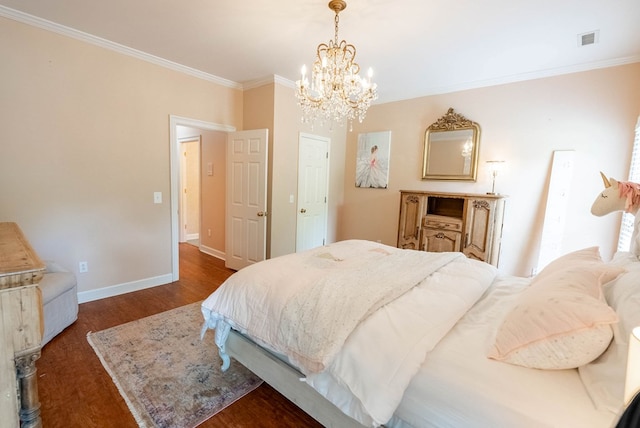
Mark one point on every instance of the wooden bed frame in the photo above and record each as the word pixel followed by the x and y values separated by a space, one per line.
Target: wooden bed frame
pixel 286 380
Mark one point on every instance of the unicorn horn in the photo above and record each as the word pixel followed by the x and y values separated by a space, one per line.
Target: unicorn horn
pixel 605 179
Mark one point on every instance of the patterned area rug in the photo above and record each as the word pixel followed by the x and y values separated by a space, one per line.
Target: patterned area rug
pixel 166 374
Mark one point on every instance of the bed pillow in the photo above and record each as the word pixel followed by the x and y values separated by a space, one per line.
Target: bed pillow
pixel 574 260
pixel 561 320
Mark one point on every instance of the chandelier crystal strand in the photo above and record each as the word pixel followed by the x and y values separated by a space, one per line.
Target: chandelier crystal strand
pixel 335 90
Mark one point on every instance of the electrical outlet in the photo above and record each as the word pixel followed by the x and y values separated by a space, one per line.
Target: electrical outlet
pixel 83 267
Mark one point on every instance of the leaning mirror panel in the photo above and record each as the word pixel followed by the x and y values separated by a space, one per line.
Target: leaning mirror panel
pixel 451 147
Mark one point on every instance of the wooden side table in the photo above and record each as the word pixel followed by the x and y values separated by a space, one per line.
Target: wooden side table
pixel 21 327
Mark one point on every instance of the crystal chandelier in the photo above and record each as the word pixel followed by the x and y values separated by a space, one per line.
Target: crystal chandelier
pixel 336 90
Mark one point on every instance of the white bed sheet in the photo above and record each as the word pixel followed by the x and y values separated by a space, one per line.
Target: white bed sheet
pixel 457 386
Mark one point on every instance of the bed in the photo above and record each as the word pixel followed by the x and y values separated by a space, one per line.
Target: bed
pixel 358 333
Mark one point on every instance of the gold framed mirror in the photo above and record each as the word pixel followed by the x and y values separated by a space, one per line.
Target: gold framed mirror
pixel 451 147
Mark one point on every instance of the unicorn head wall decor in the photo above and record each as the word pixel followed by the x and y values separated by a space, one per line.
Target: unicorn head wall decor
pixel 617 196
pixel 620 196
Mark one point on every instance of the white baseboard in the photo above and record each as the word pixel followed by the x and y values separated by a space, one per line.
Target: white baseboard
pixel 213 252
pixel 192 236
pixel 115 290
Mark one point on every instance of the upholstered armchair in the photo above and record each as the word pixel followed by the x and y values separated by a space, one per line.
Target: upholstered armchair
pixel 59 300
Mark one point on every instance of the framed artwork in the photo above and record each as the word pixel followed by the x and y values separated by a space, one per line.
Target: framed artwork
pixel 372 160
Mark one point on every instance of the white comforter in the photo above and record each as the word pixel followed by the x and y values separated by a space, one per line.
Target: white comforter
pixel 404 302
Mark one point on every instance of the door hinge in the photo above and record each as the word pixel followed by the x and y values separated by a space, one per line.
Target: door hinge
pixel 327 155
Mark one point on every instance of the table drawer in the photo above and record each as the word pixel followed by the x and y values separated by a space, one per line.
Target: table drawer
pixel 442 223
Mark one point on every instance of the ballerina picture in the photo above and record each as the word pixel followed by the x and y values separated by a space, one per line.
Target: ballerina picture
pixel 372 161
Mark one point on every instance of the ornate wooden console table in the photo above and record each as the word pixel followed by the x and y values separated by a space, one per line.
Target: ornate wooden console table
pixel 21 327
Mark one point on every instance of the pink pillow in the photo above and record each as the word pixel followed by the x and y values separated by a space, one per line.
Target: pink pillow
pixel 585 257
pixel 561 320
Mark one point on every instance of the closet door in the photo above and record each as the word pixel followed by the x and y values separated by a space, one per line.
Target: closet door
pixel 478 230
pixel 411 213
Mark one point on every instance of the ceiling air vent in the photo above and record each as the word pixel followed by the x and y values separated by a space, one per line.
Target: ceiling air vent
pixel 589 38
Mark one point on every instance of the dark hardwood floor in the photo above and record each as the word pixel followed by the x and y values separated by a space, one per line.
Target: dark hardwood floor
pixel 76 391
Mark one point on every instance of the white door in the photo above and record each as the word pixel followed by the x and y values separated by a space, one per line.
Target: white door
pixel 246 201
pixel 313 161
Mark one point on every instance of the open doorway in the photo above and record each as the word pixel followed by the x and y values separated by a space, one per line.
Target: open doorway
pixel 201 192
pixel 212 184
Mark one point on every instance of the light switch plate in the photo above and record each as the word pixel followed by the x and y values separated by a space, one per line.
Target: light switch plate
pixel 157 197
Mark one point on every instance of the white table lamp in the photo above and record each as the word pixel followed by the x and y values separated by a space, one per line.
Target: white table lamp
pixel 495 168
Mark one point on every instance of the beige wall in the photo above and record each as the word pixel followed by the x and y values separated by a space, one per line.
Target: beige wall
pixel 85 144
pixel 212 231
pixel 592 113
pixel 285 167
pixel 274 106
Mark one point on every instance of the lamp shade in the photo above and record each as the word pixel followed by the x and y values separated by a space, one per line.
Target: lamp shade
pixel 632 380
pixel 495 166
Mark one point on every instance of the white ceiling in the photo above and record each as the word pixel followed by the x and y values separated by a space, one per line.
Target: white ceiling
pixel 416 47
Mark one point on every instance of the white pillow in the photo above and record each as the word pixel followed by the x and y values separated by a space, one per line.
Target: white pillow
pixel 604 377
pixel 561 320
pixel 623 295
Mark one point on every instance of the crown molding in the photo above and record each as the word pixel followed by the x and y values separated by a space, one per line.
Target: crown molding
pixel 268 80
pixel 44 24
pixel 522 77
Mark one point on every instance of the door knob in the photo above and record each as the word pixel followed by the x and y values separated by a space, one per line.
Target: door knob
pixel 302 210
pixel 262 214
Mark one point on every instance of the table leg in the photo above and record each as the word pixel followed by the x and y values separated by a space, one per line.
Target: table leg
pixel 28 384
